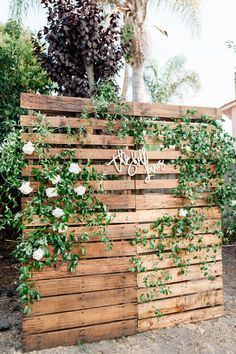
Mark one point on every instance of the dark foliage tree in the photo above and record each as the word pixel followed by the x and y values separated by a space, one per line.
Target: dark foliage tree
pixel 80 48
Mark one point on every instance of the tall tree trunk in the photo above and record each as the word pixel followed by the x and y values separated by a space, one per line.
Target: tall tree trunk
pixel 138 83
pixel 90 73
pixel 125 82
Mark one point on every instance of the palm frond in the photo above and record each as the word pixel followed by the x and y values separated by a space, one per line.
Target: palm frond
pixel 188 11
pixel 18 8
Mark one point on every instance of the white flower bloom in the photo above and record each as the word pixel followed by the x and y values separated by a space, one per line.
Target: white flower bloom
pixel 55 180
pixel 58 213
pixel 183 213
pixel 80 190
pixel 172 146
pixel 74 168
pixel 25 188
pixel 109 216
pixel 61 228
pixel 28 148
pixel 38 254
pixel 233 202
pixel 51 192
pixel 187 148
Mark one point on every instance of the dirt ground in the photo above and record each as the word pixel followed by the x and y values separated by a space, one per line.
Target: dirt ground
pixel 214 336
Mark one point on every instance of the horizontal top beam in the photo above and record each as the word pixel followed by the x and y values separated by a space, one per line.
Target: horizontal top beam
pixel 65 104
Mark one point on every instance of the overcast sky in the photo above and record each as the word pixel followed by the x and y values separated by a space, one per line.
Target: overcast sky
pixel 207 54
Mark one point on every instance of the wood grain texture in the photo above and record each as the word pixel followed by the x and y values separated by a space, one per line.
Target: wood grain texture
pixel 52 322
pixel 184 288
pixel 178 318
pixel 65 303
pixel 82 334
pixel 45 103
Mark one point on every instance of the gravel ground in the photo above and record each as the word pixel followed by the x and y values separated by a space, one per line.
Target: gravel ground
pixel 215 336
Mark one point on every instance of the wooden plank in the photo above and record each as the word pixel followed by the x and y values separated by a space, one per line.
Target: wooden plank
pixel 111 170
pixel 169 183
pixel 157 200
pixel 176 276
pixel 99 249
pixel 107 154
pixel 100 124
pixel 45 103
pixel 136 217
pixel 152 215
pixel 51 322
pixel 76 285
pixel 181 303
pixel 199 240
pixel 89 139
pixel 178 318
pixel 184 288
pixel 82 334
pixel 114 185
pixel 65 303
pixel 85 267
pixel 112 201
pixel 152 261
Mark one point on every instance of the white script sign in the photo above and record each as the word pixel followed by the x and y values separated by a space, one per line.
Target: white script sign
pixel 133 159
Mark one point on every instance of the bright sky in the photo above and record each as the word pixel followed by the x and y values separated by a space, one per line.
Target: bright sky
pixel 207 54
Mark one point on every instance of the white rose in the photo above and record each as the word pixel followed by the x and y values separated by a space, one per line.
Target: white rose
pixel 61 229
pixel 38 254
pixel 25 188
pixel 58 213
pixel 55 180
pixel 80 190
pixel 109 216
pixel 51 192
pixel 187 148
pixel 28 148
pixel 74 168
pixel 183 213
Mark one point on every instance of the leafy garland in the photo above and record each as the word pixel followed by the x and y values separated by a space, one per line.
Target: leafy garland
pixel 58 199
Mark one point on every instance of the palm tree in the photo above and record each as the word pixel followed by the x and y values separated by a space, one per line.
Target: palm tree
pixel 172 81
pixel 135 14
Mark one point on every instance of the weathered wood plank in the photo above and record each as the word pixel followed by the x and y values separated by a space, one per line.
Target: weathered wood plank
pixel 47 323
pixel 86 267
pixel 63 139
pixel 152 261
pixel 178 318
pixel 83 334
pixel 65 303
pixel 181 303
pixel 76 285
pixel 184 288
pixel 200 240
pixel 157 200
pixel 112 201
pixel 108 154
pixel 176 276
pixel 45 103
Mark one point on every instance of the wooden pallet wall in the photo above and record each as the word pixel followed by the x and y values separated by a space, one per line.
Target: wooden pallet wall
pixel 101 300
